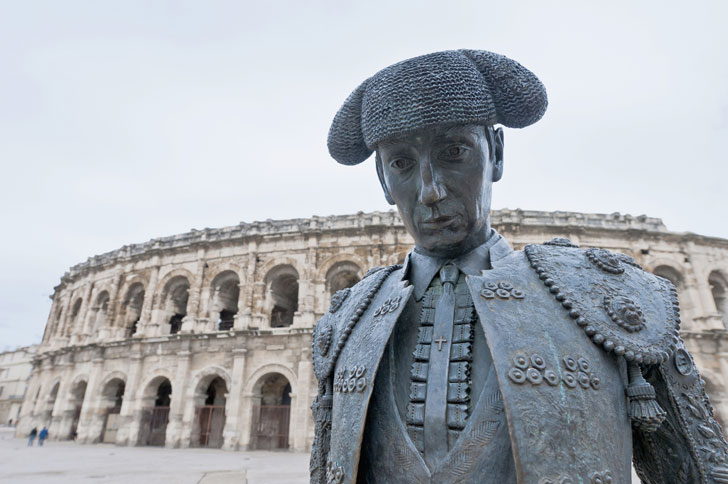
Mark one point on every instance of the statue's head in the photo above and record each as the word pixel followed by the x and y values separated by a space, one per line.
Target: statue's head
pixel 431 122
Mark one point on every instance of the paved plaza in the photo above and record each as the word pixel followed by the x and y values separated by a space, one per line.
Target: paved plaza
pixel 68 462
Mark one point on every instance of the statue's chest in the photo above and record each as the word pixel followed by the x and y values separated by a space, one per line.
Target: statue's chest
pixel 563 396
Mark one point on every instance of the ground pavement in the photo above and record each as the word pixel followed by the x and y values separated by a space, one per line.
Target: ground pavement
pixel 68 462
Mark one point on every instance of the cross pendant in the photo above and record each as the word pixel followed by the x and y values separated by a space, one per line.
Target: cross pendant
pixel 439 342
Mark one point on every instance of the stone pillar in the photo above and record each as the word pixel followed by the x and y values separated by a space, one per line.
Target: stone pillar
pixel 249 400
pixel 60 425
pixel 112 324
pixel 189 323
pixel 79 321
pixel 233 429
pixel 302 415
pixel 709 319
pixel 173 438
pixel 89 430
pixel 146 326
pixel 130 416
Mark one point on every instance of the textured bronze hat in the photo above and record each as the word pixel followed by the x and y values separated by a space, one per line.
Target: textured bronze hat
pixel 450 87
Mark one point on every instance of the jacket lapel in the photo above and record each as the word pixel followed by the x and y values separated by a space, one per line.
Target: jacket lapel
pixel 355 371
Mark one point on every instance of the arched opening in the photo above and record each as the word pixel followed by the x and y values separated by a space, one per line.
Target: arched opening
pixel 155 412
pixel 674 276
pixel 282 283
pixel 719 290
pixel 59 315
pixel 272 415
pixel 50 402
pixel 342 275
pixel 78 393
pixel 100 310
pixel 210 401
pixel 132 309
pixel 74 316
pixel 175 296
pixel 112 396
pixel 226 291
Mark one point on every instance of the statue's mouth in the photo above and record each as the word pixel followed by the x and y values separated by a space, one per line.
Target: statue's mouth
pixel 439 222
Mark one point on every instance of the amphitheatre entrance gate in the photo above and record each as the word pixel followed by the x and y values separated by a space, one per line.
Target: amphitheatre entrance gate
pixel 210 416
pixel 272 416
pixel 160 415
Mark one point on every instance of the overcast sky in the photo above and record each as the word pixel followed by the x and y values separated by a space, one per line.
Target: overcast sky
pixel 124 121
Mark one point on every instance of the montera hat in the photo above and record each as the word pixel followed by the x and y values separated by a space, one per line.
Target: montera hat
pixel 450 87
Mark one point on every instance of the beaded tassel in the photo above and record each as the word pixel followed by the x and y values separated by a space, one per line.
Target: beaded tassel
pixel 645 412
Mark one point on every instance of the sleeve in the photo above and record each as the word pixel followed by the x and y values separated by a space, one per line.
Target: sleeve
pixel 689 446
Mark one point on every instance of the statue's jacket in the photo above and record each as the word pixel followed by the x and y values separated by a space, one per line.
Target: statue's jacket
pixel 587 358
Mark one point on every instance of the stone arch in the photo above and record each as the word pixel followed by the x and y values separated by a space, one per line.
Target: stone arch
pixel 224 298
pixel 73 316
pixel 76 397
pixel 157 376
pixel 271 368
pixel 58 319
pixel 209 397
pixel 48 402
pixel 110 397
pixel 131 308
pixel 155 405
pixel 671 273
pixel 327 264
pixel 100 311
pixel 114 375
pixel 204 376
pixel 674 274
pixel 271 394
pixel 281 283
pixel 275 262
pixel 173 300
pixel 719 290
pixel 341 275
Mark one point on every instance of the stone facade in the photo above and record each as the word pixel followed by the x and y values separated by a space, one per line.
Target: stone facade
pixel 15 368
pixel 204 338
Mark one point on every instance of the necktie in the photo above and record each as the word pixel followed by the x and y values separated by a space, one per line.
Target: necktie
pixel 435 428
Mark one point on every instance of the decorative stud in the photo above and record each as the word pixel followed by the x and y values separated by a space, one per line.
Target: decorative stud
pixel 338 299
pixel 605 260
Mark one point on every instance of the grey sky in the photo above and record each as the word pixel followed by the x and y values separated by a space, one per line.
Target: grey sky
pixel 123 121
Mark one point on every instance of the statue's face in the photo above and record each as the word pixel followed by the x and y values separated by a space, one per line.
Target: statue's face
pixel 441 179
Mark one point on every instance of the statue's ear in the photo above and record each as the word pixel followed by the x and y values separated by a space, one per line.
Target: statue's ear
pixel 497 153
pixel 380 175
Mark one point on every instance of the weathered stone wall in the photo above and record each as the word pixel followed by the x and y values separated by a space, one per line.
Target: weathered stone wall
pixel 237 305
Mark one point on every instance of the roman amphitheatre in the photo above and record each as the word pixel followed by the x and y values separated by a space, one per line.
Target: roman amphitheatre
pixel 203 339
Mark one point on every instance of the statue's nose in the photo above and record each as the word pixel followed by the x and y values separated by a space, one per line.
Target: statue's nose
pixel 431 190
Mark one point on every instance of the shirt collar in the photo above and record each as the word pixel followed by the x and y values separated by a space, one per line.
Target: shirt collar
pixel 420 269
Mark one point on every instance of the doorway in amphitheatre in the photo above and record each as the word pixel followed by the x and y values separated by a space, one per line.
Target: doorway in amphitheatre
pixel 210 401
pixel 77 395
pixel 272 415
pixel 157 416
pixel 112 397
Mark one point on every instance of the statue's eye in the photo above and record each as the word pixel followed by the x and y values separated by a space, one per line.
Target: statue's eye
pixel 401 164
pixel 454 152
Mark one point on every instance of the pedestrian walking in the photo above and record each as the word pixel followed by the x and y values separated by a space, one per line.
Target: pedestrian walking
pixel 42 436
pixel 31 437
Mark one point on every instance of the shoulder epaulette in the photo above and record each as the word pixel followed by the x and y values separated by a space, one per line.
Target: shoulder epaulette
pixel 621 307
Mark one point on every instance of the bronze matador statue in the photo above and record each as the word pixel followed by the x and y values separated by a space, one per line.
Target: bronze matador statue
pixel 473 362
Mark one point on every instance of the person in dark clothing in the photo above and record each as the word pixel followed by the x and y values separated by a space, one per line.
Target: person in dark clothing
pixel 31 437
pixel 42 436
